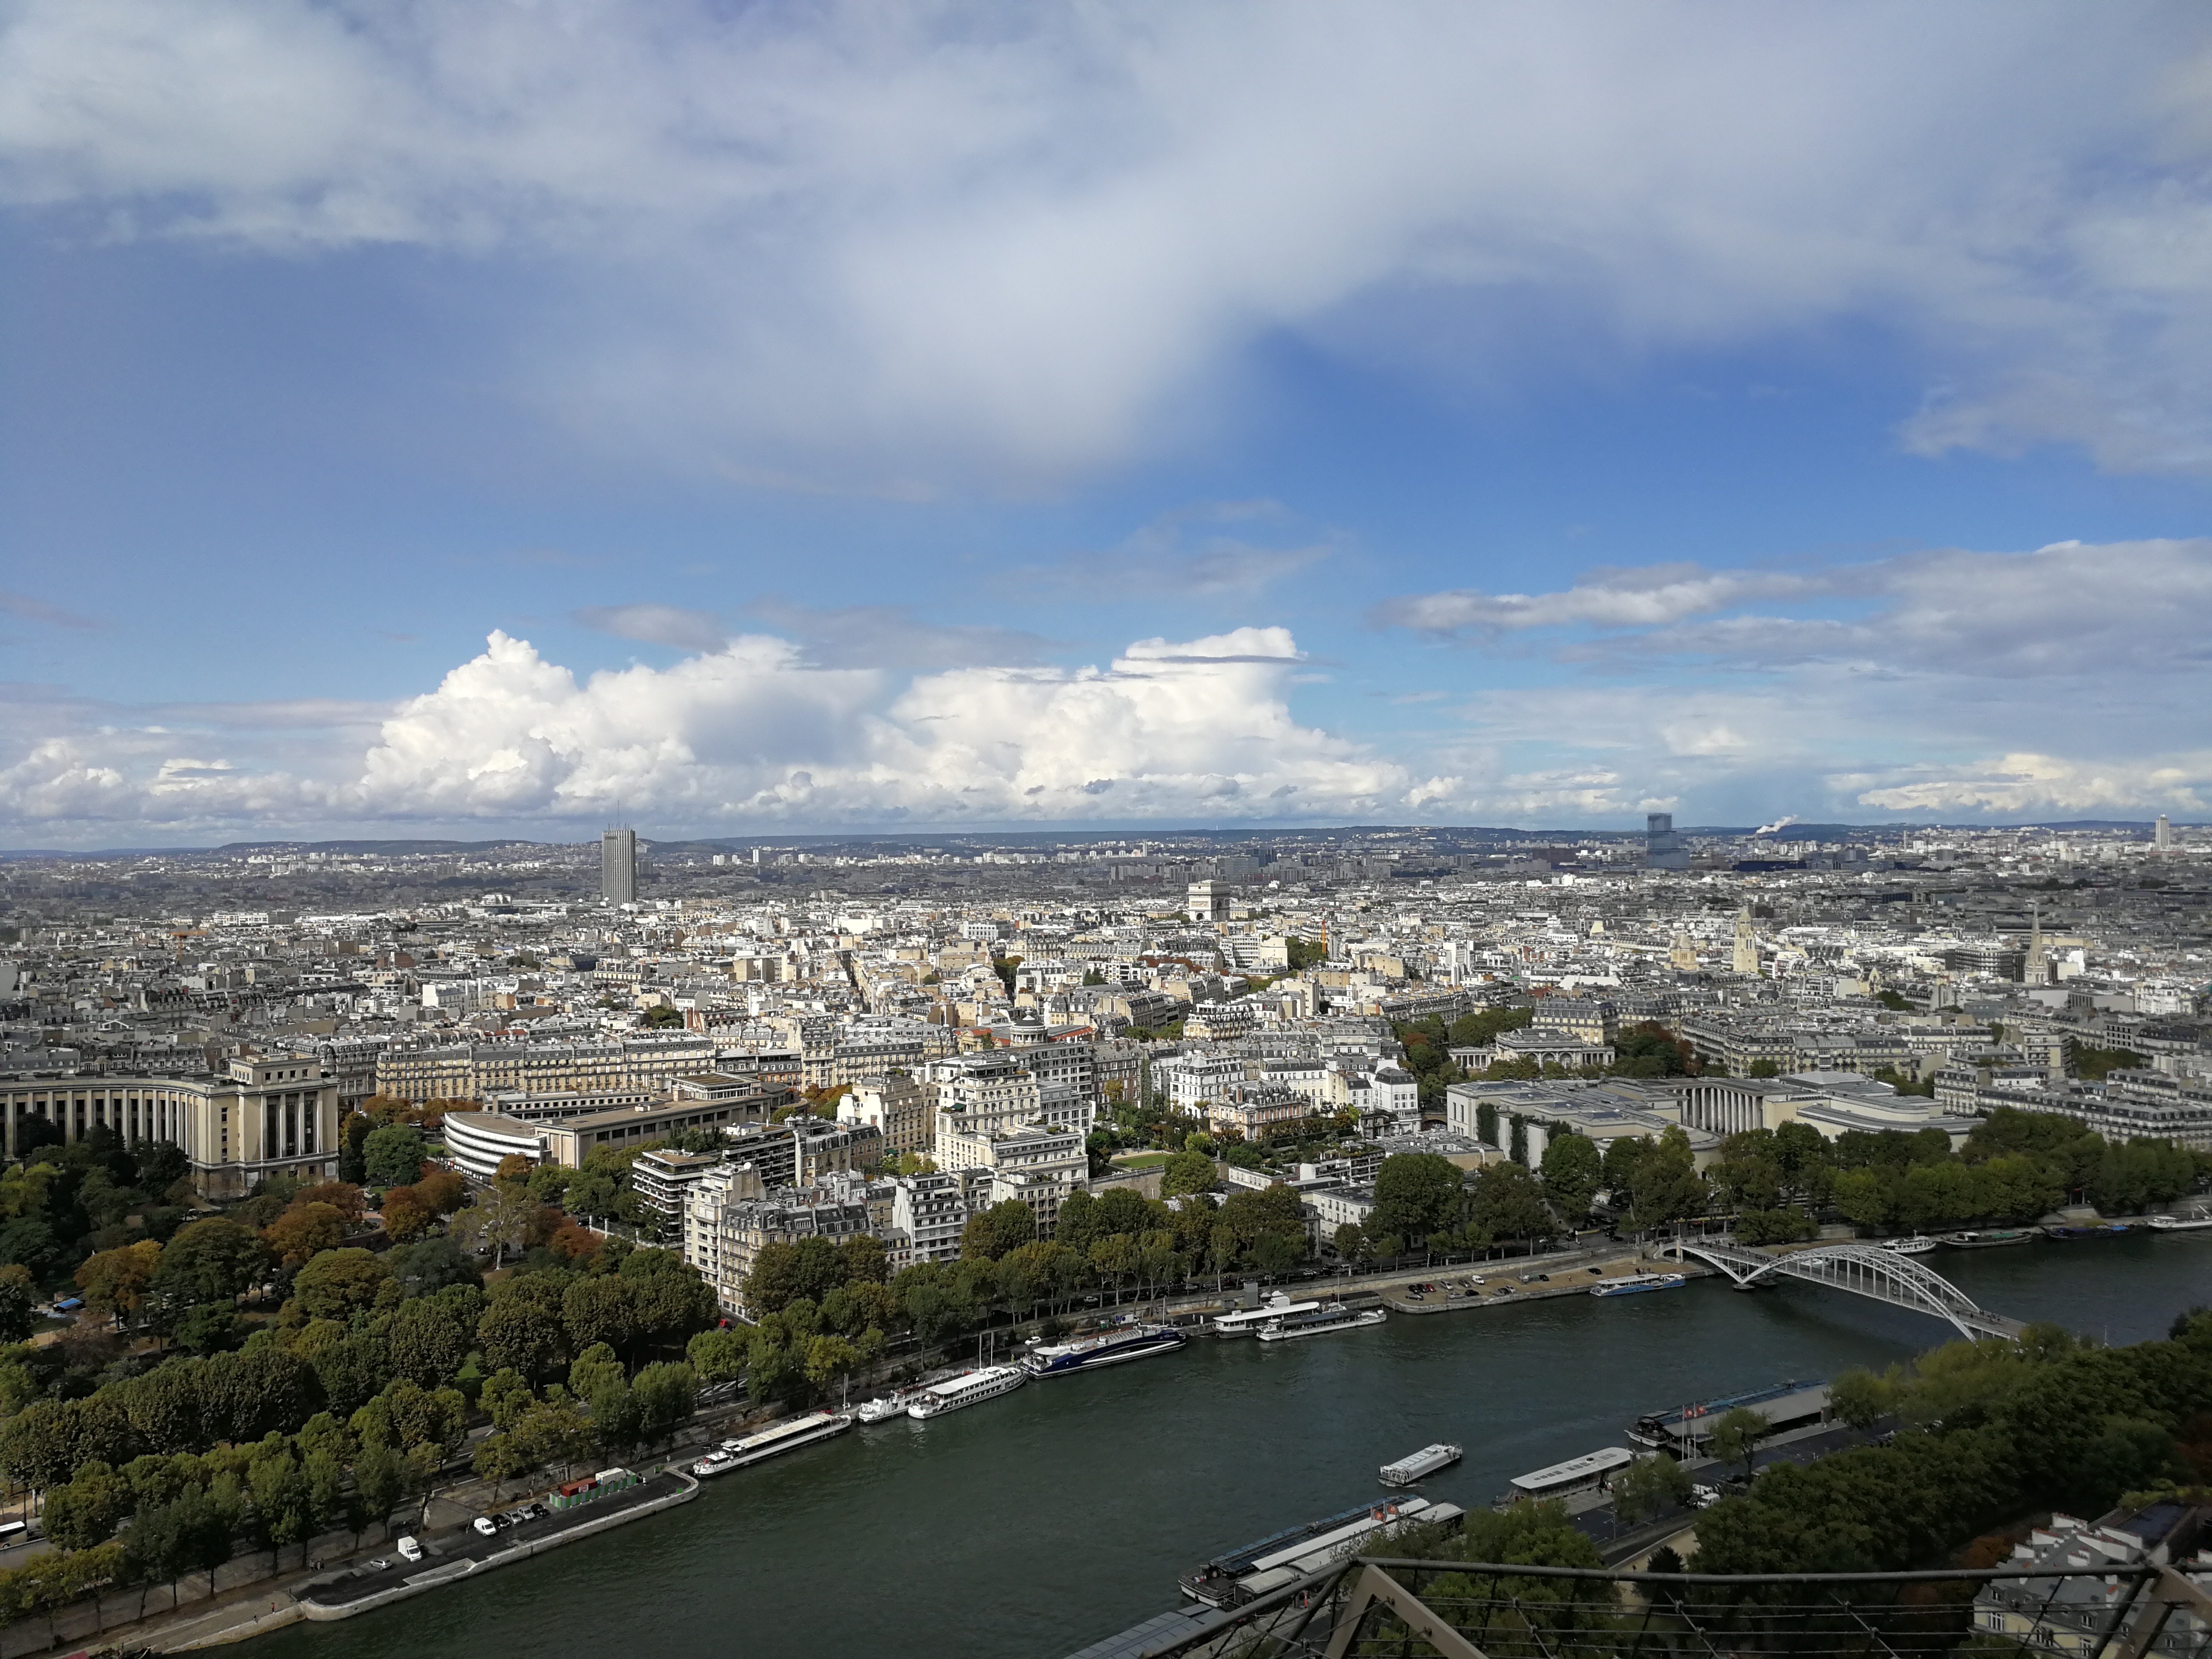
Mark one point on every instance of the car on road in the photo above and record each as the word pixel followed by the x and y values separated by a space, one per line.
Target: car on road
pixel 485 1524
pixel 379 1564
pixel 410 1549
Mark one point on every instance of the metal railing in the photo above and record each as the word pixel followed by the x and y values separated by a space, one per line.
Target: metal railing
pixel 1367 1608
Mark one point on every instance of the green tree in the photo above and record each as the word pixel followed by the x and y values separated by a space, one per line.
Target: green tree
pixel 1861 1399
pixel 1738 1435
pixel 392 1156
pixel 598 1310
pixel 1650 1487
pixel 1572 1168
pixel 1186 1172
pixel 431 1335
pixel 379 1483
pixel 338 1283
pixel 1006 1226
pixel 86 1509
pixel 717 1356
pixel 211 1260
pixel 1508 1204
pixel 667 1395
pixel 1417 1193
pixel 521 1335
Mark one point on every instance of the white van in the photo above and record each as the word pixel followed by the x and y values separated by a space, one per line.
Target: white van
pixel 408 1547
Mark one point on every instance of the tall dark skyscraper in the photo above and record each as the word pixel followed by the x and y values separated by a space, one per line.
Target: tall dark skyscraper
pixel 618 866
pixel 1663 847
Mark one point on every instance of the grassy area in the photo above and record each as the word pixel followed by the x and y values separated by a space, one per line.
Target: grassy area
pixel 1139 1160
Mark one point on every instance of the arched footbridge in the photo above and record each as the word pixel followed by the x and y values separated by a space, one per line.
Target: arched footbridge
pixel 1865 1270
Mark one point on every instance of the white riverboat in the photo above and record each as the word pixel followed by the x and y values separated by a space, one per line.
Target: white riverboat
pixel 1283 1558
pixel 1248 1321
pixel 2199 1220
pixel 1322 1322
pixel 1424 1462
pixel 971 1389
pixel 1919 1245
pixel 715 1462
pixel 886 1406
pixel 1634 1284
pixel 787 1435
pixel 1114 1346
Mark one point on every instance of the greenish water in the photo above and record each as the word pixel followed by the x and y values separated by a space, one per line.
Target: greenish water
pixel 1034 1524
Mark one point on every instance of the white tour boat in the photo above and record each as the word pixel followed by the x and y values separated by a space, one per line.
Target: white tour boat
pixel 715 1462
pixel 2199 1221
pixel 1322 1322
pixel 1248 1321
pixel 1424 1462
pixel 971 1389
pixel 883 1408
pixel 1919 1245
pixel 787 1435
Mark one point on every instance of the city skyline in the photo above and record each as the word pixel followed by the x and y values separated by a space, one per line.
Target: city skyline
pixel 777 425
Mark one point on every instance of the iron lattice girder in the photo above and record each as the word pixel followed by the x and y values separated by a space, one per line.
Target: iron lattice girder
pixel 1475 1610
pixel 1865 1270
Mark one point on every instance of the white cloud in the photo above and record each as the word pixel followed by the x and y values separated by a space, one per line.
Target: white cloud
pixel 753 733
pixel 2028 784
pixel 1644 597
pixel 864 245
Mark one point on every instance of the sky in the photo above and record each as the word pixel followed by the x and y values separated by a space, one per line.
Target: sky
pixel 510 416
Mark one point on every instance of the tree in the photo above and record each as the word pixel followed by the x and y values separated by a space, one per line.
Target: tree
pixel 406 1218
pixel 498 1221
pixel 117 1281
pixel 1738 1435
pixel 521 1335
pixel 597 1311
pixel 1188 1172
pixel 1665 1186
pixel 717 1356
pixel 279 1490
pixel 1650 1487
pixel 86 1509
pixel 1006 1226
pixel 1572 1168
pixel 304 1231
pixel 667 1394
pixel 1508 1204
pixel 1417 1193
pixel 17 1298
pixel 392 1156
pixel 443 1190
pixel 339 1284
pixel 1861 1399
pixel 430 1336
pixel 380 1483
pixel 431 1265
pixel 211 1260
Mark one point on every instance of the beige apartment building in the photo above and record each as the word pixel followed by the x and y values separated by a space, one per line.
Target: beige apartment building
pixel 473 1071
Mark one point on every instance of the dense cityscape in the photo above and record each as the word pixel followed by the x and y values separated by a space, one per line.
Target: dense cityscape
pixel 347 1172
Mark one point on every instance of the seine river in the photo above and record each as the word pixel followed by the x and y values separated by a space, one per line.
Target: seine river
pixel 1032 1525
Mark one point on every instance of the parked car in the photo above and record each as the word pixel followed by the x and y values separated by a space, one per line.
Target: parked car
pixel 409 1547
pixel 485 1524
pixel 379 1564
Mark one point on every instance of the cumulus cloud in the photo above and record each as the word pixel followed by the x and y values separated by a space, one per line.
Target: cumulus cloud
pixel 755 733
pixel 2026 783
pixel 863 244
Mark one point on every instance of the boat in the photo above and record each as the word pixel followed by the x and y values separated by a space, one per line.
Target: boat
pixel 970 1389
pixel 787 1435
pixel 1424 1462
pixel 1335 1316
pixel 715 1462
pixel 1631 1283
pixel 2201 1221
pixel 1919 1245
pixel 886 1406
pixel 2107 1230
pixel 1681 1433
pixel 1246 1321
pixel 1987 1241
pixel 1283 1558
pixel 1114 1346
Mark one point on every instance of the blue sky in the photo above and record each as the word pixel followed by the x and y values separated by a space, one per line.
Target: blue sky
pixel 435 418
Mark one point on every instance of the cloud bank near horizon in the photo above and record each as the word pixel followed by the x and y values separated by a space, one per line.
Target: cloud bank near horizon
pixel 1949 683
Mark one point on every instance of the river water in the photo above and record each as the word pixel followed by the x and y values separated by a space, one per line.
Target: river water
pixel 1032 1525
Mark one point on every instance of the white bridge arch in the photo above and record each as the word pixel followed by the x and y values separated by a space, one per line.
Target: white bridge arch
pixel 1865 1270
